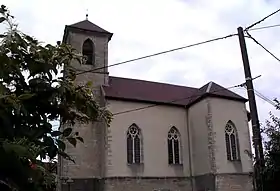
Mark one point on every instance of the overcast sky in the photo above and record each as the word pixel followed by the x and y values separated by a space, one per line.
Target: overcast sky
pixel 149 26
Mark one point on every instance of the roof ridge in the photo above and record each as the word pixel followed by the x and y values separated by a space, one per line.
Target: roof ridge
pixel 209 87
pixel 140 80
pixel 121 88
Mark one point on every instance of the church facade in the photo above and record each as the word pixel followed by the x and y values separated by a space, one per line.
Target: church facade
pixel 162 136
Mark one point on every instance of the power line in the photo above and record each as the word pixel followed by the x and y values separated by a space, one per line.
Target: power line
pixel 176 100
pixel 257 42
pixel 156 54
pixel 264 27
pixel 180 48
pixel 263 97
pixel 183 47
pixel 258 22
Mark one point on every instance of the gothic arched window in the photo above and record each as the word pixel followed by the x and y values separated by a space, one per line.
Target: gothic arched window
pixel 174 142
pixel 88 51
pixel 232 145
pixel 134 144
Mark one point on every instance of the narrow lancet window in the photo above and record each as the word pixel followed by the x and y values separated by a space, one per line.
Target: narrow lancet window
pixel 231 142
pixel 174 146
pixel 134 145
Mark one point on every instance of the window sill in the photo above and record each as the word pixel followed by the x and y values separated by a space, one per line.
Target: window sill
pixel 235 161
pixel 134 164
pixel 175 165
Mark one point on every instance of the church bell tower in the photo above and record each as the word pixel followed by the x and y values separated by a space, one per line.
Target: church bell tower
pixel 87 172
pixel 91 41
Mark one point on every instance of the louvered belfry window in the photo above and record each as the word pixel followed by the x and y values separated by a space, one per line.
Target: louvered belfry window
pixel 174 146
pixel 134 145
pixel 231 140
pixel 88 52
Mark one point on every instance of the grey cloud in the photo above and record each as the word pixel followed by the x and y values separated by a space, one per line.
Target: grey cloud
pixel 137 34
pixel 176 77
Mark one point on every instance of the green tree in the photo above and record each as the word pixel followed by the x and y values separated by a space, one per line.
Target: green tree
pixel 271 131
pixel 30 98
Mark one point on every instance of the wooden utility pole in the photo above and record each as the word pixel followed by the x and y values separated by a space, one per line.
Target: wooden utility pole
pixel 257 139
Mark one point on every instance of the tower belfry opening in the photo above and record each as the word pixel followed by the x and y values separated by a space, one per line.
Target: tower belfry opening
pixel 88 51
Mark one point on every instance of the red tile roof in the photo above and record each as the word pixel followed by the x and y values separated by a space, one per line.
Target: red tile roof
pixel 153 92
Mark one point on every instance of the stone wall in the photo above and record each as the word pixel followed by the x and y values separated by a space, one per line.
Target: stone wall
pixel 205 182
pixel 234 182
pixel 86 184
pixel 88 156
pixel 208 182
pixel 147 184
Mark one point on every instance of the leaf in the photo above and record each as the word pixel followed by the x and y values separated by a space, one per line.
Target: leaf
pixel 52 151
pixel 48 141
pixel 80 139
pixel 29 38
pixel 4 96
pixel 55 71
pixel 49 75
pixel 18 149
pixel 2 19
pixel 47 125
pixel 26 96
pixel 67 132
pixel 65 155
pixel 56 133
pixel 61 145
pixel 73 141
pixel 3 9
pixel 89 84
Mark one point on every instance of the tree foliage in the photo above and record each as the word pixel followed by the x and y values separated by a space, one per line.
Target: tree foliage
pixel 271 131
pixel 30 98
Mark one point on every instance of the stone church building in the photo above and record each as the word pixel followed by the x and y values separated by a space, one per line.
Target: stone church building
pixel 162 137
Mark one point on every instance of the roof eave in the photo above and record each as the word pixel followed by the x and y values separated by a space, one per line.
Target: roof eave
pixel 144 101
pixel 241 99
pixel 216 96
pixel 65 34
pixel 173 103
pixel 69 27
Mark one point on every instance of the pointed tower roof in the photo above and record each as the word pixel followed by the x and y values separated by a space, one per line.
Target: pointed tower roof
pixel 87 26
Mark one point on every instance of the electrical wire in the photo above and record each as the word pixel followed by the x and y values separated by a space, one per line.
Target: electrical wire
pixel 258 22
pixel 183 47
pixel 176 100
pixel 264 27
pixel 260 95
pixel 263 97
pixel 258 43
pixel 188 46
pixel 156 54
